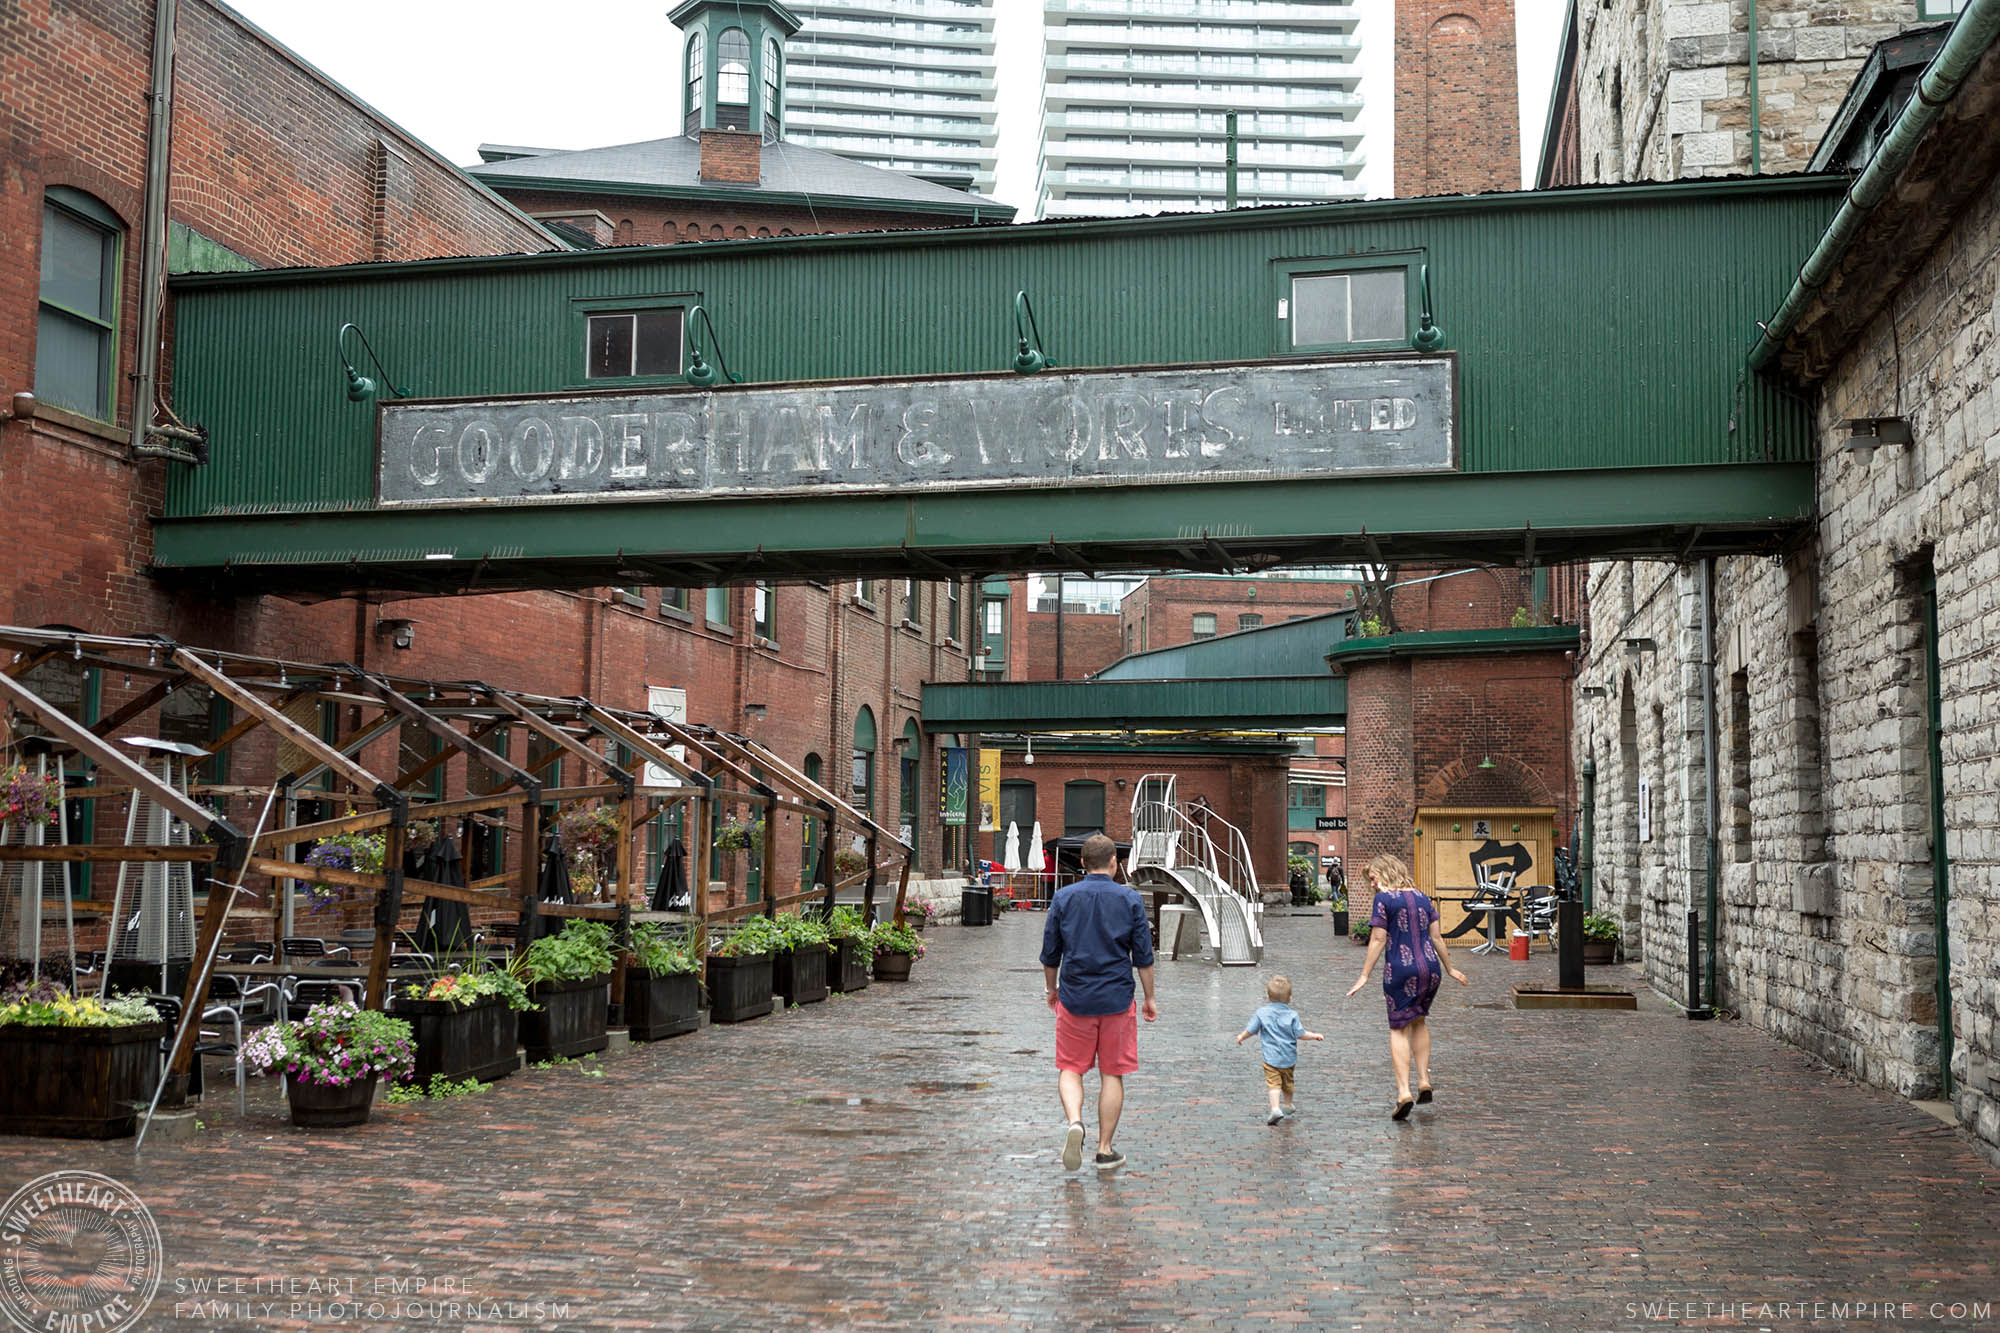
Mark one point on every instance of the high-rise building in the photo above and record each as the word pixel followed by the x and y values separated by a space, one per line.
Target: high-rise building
pixel 1134 113
pixel 902 84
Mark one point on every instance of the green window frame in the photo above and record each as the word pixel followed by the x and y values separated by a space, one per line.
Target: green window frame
pixel 913 606
pixel 1305 802
pixel 650 349
pixel 76 318
pixel 1315 280
pixel 954 612
pixel 674 602
pixel 864 592
pixel 1940 9
pixel 862 776
pixel 715 607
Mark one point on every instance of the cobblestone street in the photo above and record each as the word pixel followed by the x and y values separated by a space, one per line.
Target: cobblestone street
pixel 892 1159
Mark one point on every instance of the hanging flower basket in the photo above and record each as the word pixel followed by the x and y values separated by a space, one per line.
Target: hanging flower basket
pixel 27 798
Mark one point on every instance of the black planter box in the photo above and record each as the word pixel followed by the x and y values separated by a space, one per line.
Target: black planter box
pixel 462 1041
pixel 77 1083
pixel 571 1020
pixel 324 1106
pixel 1340 922
pixel 847 970
pixel 661 1005
pixel 800 974
pixel 739 989
pixel 975 907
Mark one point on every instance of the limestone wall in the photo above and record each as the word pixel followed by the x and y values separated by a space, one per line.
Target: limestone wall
pixel 1663 85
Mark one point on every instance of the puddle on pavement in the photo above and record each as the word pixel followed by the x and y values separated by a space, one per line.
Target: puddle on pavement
pixel 969 1032
pixel 853 1104
pixel 934 1086
pixel 1027 1050
pixel 846 1131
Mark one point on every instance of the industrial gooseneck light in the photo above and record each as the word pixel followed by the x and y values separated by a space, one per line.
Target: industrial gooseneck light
pixel 1029 359
pixel 1429 336
pixel 361 388
pixel 699 373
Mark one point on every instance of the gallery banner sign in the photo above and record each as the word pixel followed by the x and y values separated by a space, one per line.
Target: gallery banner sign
pixel 1257 422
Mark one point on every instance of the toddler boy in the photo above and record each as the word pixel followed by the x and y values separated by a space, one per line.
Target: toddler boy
pixel 1280 1027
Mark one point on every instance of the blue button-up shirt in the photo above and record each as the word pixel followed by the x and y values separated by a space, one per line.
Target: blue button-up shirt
pixel 1280 1027
pixel 1096 933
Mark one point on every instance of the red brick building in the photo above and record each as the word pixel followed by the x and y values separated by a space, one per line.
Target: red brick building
pixel 1186 608
pixel 1458 124
pixel 271 165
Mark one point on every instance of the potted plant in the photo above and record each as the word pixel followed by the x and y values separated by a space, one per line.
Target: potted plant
pixel 1600 939
pixel 331 1061
pixel 1360 932
pixel 896 948
pixel 799 967
pixel 569 978
pixel 1003 900
pixel 662 986
pixel 740 835
pixel 590 835
pixel 847 862
pixel 739 970
pixel 361 853
pixel 1299 877
pixel 853 949
pixel 465 1024
pixel 75 1065
pixel 917 913
pixel 1340 914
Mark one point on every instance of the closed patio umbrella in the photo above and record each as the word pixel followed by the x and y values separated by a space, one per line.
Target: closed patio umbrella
pixel 1012 860
pixel 671 893
pixel 444 925
pixel 555 886
pixel 1037 855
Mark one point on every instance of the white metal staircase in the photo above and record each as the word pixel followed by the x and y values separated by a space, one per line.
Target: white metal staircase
pixel 1207 860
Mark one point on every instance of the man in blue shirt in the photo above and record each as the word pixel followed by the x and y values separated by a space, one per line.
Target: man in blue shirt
pixel 1096 935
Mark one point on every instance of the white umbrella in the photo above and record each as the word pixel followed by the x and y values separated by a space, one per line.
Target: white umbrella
pixel 1036 851
pixel 1013 859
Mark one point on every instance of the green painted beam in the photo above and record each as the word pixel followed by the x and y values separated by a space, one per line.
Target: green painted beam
pixel 1453 643
pixel 1300 701
pixel 1550 516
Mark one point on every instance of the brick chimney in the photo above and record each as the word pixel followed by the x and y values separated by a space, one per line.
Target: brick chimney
pixel 732 156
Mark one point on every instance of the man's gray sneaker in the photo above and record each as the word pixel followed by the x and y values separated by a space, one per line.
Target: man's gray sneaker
pixel 1073 1146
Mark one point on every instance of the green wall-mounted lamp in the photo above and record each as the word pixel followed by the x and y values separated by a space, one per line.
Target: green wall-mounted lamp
pixel 1429 336
pixel 1487 762
pixel 699 373
pixel 361 388
pixel 1028 359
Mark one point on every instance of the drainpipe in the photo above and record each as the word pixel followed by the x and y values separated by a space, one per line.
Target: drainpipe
pixel 1963 47
pixel 153 257
pixel 1756 108
pixel 1711 800
pixel 1589 812
pixel 1229 163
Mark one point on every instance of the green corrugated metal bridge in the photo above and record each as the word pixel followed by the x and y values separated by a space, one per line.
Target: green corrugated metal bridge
pixel 1601 404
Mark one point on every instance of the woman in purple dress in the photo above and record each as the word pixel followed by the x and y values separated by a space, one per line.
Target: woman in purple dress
pixel 1404 926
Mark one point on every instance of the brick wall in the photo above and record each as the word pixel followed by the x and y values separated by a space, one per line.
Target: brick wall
pixel 1457 117
pixel 1160 612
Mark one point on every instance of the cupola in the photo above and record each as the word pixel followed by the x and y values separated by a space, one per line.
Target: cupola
pixel 734 65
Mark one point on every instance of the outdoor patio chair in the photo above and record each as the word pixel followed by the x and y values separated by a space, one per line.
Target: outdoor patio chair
pixel 310 946
pixel 1538 910
pixel 206 1042
pixel 306 994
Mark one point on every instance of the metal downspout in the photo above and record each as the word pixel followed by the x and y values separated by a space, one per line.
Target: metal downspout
pixel 1584 865
pixel 1968 40
pixel 153 257
pixel 1711 799
pixel 1756 107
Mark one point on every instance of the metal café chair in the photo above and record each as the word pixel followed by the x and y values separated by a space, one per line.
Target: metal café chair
pixel 205 1041
pixel 1538 910
pixel 310 946
pixel 307 993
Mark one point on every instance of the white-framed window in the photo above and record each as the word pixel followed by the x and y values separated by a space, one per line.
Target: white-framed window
pixel 696 81
pixel 732 79
pixel 1249 620
pixel 764 611
pixel 1204 624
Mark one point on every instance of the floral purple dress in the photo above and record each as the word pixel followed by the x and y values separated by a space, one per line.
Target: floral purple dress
pixel 1410 967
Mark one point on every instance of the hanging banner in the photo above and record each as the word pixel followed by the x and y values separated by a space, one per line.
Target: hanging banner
pixel 954 779
pixel 989 790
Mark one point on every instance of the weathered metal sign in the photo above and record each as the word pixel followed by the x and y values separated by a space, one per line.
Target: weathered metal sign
pixel 1210 423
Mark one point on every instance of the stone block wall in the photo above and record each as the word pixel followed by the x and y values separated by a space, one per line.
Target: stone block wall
pixel 1827 922
pixel 1663 86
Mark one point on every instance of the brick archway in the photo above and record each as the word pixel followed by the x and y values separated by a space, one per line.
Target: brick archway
pixel 1509 782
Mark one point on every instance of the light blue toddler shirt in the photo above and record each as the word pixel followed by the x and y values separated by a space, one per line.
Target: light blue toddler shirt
pixel 1280 1028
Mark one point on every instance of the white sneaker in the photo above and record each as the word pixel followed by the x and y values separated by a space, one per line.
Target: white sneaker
pixel 1072 1156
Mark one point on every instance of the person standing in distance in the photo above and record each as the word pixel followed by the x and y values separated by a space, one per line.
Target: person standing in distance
pixel 1096 936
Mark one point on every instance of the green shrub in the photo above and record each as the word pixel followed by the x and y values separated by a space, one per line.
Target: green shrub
pixel 582 952
pixel 661 954
pixel 758 934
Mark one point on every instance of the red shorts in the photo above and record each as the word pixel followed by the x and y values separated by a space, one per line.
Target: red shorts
pixel 1109 1041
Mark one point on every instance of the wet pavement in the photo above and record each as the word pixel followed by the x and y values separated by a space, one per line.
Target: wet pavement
pixel 891 1159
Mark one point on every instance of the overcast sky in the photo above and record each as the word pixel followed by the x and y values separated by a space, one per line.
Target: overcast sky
pixel 459 73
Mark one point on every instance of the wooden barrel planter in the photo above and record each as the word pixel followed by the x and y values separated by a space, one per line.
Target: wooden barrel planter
pixel 659 1005
pixel 330 1106
pixel 462 1041
pixel 893 966
pixel 1600 953
pixel 848 970
pixel 571 1019
pixel 77 1083
pixel 739 989
pixel 799 974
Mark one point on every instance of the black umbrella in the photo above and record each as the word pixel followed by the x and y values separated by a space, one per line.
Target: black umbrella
pixel 444 925
pixel 671 893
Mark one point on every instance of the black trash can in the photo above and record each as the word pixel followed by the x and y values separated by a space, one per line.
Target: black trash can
pixel 975 907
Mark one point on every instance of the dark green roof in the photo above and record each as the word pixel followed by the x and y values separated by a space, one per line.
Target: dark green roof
pixel 1291 648
pixel 1313 701
pixel 1452 643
